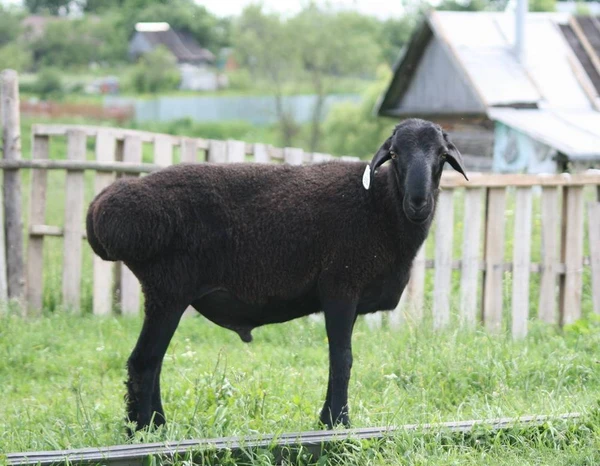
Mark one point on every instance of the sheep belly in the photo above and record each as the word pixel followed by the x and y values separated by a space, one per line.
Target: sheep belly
pixel 224 309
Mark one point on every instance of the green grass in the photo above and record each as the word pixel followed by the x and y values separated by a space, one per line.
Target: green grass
pixel 62 387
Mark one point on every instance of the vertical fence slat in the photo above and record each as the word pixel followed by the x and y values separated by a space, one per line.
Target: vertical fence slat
pixel 35 248
pixel 103 271
pixel 443 258
pixel 261 154
pixel 217 151
pixel 130 286
pixel 293 156
pixel 13 219
pixel 236 151
pixel 549 273
pixel 521 262
pixel 163 151
pixel 494 258
pixel 189 150
pixel 470 256
pixel 411 303
pixel 73 231
pixel 572 255
pixel 594 242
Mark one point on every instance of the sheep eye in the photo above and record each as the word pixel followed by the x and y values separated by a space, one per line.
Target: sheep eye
pixel 444 155
pixel 393 154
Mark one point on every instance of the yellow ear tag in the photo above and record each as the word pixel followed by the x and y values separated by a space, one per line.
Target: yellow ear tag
pixel 366 179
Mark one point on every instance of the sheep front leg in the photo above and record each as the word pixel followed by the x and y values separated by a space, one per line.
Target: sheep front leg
pixel 339 323
pixel 144 364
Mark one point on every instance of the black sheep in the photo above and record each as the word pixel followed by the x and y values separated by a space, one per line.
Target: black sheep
pixel 249 244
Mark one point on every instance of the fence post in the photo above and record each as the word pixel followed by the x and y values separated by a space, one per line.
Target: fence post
pixel 73 231
pixel 130 286
pixel 103 271
pixel 594 242
pixel 35 248
pixel 571 255
pixel 494 258
pixel 442 283
pixel 469 274
pixel 550 216
pixel 13 219
pixel 521 263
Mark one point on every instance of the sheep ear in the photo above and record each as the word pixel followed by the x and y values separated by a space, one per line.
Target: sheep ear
pixel 382 156
pixel 454 158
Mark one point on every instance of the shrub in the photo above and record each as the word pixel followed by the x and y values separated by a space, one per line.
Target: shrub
pixel 49 83
pixel 156 71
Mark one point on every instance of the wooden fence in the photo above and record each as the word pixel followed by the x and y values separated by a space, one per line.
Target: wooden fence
pixel 475 278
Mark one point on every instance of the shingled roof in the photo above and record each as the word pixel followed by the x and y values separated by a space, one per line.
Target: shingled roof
pixel 182 45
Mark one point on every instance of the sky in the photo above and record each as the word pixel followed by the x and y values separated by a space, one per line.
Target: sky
pixel 380 8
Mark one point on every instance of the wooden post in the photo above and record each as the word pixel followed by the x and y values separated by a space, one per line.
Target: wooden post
pixel 494 258
pixel 443 259
pixel 261 155
pixel 13 219
pixel 163 151
pixel 293 156
pixel 189 151
pixel 217 151
pixel 130 286
pixel 103 271
pixel 521 263
pixel 35 248
pixel 594 242
pixel 236 151
pixel 571 255
pixel 470 256
pixel 549 272
pixel 73 231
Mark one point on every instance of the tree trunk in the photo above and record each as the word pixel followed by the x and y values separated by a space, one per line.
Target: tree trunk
pixel 315 131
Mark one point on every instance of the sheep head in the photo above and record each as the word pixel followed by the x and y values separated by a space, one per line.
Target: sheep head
pixel 418 150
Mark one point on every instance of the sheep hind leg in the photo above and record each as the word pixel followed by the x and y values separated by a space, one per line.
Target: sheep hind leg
pixel 144 364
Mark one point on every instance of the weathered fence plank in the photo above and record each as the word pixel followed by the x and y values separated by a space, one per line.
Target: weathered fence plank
pixel 217 151
pixel 73 230
pixel 470 256
pixel 521 262
pixel 163 151
pixel 261 154
pixel 411 303
pixel 35 247
pixel 550 214
pixel 13 218
pixel 444 229
pixel 594 242
pixel 103 270
pixel 572 255
pixel 293 156
pixel 236 151
pixel 494 258
pixel 189 151
pixel 130 286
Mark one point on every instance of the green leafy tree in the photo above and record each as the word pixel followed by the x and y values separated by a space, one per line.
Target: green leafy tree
pixel 54 7
pixel 156 71
pixel 263 44
pixel 15 56
pixel 542 5
pixel 10 27
pixel 352 128
pixel 331 44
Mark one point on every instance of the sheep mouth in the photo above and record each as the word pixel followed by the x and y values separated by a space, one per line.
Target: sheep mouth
pixel 418 218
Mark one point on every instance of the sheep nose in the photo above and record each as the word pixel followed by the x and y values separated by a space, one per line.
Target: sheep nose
pixel 417 204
